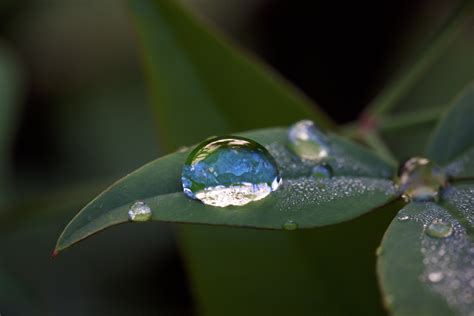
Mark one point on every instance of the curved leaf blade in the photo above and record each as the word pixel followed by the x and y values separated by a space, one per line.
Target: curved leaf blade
pixel 424 275
pixel 451 137
pixel 306 201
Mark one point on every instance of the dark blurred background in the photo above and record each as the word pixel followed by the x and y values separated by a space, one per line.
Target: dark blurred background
pixel 84 120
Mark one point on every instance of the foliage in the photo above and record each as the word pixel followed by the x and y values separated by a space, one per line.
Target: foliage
pixel 244 259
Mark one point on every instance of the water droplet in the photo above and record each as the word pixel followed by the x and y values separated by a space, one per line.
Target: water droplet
pixel 323 170
pixel 290 225
pixel 139 212
pixel 379 251
pixel 435 276
pixel 439 229
pixel 420 179
pixel 403 218
pixel 307 141
pixel 229 170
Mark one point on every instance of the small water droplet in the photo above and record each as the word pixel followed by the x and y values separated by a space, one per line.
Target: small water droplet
pixel 139 212
pixel 439 229
pixel 435 276
pixel 290 225
pixel 420 179
pixel 403 218
pixel 307 141
pixel 323 170
pixel 229 170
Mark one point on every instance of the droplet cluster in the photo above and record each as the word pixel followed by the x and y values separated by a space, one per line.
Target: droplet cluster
pixel 448 257
pixel 294 194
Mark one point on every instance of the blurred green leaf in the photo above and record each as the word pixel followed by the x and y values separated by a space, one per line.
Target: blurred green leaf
pixel 301 199
pixel 462 168
pixel 450 49
pixel 426 261
pixel 13 296
pixel 198 79
pixel 426 85
pixel 10 88
pixel 87 279
pixel 451 138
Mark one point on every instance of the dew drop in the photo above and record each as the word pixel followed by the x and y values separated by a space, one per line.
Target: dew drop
pixel 435 276
pixel 419 179
pixel 139 212
pixel 439 229
pixel 290 225
pixel 323 170
pixel 403 218
pixel 229 170
pixel 307 141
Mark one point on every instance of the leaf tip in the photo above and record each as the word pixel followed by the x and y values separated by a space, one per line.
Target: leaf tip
pixel 54 254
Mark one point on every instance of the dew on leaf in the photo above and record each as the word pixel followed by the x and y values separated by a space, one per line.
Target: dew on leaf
pixel 317 191
pixel 435 276
pixel 230 170
pixel 420 179
pixel 307 141
pixel 139 212
pixel 439 229
pixel 448 262
pixel 403 218
pixel 323 170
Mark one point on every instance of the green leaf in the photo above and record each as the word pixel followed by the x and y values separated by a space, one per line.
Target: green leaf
pixel 10 85
pixel 199 79
pixel 424 267
pixel 437 73
pixel 427 84
pixel 451 137
pixel 358 187
pixel 463 166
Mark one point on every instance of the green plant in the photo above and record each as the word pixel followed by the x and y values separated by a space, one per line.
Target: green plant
pixel 277 269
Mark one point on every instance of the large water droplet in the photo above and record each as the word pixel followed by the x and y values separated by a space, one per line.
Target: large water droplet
pixel 307 141
pixel 290 225
pixel 229 171
pixel 439 229
pixel 420 179
pixel 323 170
pixel 139 212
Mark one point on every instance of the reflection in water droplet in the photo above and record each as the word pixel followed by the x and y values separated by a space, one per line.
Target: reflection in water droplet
pixel 139 212
pixel 435 276
pixel 403 218
pixel 439 229
pixel 420 179
pixel 323 170
pixel 307 141
pixel 227 171
pixel 290 225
